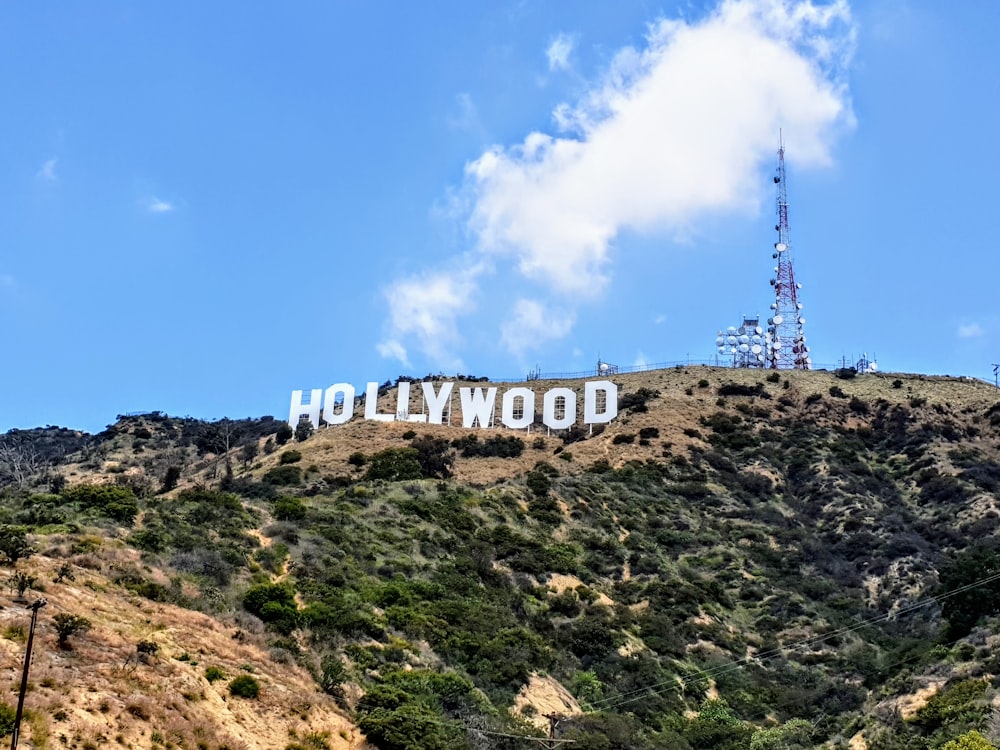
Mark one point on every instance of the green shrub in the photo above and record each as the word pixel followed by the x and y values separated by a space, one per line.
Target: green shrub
pixel 214 673
pixel 395 464
pixel 244 686
pixel 7 716
pixel 112 501
pixel 289 509
pixel 625 437
pixel 284 475
pixel 836 391
pixel 289 457
pixel 357 459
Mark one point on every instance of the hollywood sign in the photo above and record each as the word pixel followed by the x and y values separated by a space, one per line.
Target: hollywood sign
pixel 517 407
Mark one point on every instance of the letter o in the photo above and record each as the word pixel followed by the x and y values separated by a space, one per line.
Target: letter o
pixel 549 408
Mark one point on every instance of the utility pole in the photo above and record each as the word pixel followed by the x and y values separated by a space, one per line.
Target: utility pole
pixel 996 377
pixel 34 607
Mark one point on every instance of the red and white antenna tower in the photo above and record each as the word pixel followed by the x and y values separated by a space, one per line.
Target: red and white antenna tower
pixel 785 343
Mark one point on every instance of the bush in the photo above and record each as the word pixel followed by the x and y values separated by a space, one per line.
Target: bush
pixel 846 373
pixel 395 464
pixel 304 430
pixel 637 401
pixel 357 459
pixel 68 625
pixel 244 686
pixel 836 391
pixel 7 716
pixel 625 437
pixel 289 509
pixel 213 674
pixel 284 434
pixel 111 501
pixel 290 457
pixel 773 377
pixel 14 543
pixel 284 475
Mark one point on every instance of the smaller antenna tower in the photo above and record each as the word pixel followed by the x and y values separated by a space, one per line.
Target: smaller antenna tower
pixel 785 341
pixel 745 344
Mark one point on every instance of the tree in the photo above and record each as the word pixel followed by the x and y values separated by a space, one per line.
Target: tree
pixel 21 582
pixel 283 435
pixel 171 478
pixel 20 459
pixel 969 741
pixel 962 606
pixel 68 625
pixel 14 543
pixel 248 453
pixel 395 464
pixel 304 430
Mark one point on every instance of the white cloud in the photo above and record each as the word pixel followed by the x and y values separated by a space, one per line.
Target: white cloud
pixel 423 312
pixel 47 172
pixel 466 116
pixel 532 324
pixel 157 206
pixel 640 361
pixel 970 331
pixel 673 132
pixel 659 320
pixel 558 52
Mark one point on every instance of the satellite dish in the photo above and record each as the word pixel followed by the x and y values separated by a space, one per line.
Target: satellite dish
pixel 758 330
pixel 802 321
pixel 742 330
pixel 772 282
pixel 731 329
pixel 774 305
pixel 755 339
pixel 798 305
pixel 873 366
pixel 744 339
pixel 781 247
pixel 798 286
pixel 605 367
pixel 722 350
pixel 756 349
pixel 778 320
pixel 730 339
pixel 776 345
pixel 744 348
pixel 733 350
pixel 720 341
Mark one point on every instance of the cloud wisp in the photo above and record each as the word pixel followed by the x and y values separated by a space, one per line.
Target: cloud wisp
pixel 559 51
pixel 673 132
pixel 158 206
pixel 47 172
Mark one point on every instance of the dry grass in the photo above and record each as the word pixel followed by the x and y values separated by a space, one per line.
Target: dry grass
pixel 100 693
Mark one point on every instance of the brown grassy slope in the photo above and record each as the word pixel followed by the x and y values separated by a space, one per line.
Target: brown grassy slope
pixel 100 693
pixel 673 412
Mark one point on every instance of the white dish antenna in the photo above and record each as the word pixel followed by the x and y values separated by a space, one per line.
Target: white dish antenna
pixel 781 247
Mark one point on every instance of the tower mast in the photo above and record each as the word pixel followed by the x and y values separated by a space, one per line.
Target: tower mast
pixel 785 341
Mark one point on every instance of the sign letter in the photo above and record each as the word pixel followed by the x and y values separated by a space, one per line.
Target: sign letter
pixel 346 393
pixel 310 410
pixel 593 392
pixel 527 397
pixel 477 405
pixel 549 408
pixel 371 405
pixel 436 402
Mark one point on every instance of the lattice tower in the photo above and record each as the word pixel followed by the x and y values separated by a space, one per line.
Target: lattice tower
pixel 785 342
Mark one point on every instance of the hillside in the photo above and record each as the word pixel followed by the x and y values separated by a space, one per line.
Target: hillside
pixel 739 560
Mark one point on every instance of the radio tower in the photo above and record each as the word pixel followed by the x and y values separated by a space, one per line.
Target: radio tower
pixel 785 343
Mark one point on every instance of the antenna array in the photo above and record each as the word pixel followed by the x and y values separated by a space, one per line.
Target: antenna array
pixel 785 342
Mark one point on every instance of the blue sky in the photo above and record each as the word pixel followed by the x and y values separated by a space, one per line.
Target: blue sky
pixel 206 205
